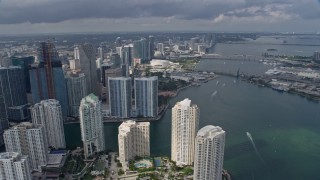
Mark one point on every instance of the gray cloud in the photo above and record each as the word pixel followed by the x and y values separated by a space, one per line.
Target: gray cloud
pixel 51 11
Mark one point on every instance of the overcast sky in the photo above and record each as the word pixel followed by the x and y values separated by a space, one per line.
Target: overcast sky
pixel 58 16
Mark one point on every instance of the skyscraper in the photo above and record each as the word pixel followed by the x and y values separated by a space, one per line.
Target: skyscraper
pixel 127 55
pixel 140 49
pixel 4 124
pixel 12 84
pixel 77 89
pixel 209 153
pixel 133 140
pixel 87 56
pixel 100 53
pixel 47 77
pixel 14 166
pixel 146 96
pixel 160 48
pixel 120 96
pixel 28 139
pixel 24 63
pixel 48 114
pixel 150 47
pixel 185 123
pixel 91 125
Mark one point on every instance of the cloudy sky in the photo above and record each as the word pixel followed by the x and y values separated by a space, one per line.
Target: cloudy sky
pixel 58 16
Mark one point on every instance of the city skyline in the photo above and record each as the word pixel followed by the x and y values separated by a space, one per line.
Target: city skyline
pixel 25 17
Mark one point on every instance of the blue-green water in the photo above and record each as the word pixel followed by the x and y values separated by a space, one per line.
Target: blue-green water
pixel 284 127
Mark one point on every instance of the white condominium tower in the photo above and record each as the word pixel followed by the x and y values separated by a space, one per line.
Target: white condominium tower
pixel 185 122
pixel 91 124
pixel 133 140
pixel 14 166
pixel 28 139
pixel 146 96
pixel 120 93
pixel 209 152
pixel 48 113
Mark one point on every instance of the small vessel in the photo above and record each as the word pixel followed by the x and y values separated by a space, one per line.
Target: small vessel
pixel 249 136
pixel 217 82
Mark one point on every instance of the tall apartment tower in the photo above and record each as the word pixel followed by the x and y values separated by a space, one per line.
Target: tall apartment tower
pixel 100 53
pixel 146 96
pixel 77 89
pixel 150 47
pixel 120 96
pixel 87 56
pixel 185 123
pixel 28 139
pixel 133 140
pixel 14 166
pixel 47 77
pixel 13 85
pixel 91 125
pixel 160 48
pixel 209 153
pixel 4 124
pixel 48 114
pixel 127 55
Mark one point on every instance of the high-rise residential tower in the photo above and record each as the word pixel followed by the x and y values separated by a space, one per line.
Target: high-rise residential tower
pixel 14 166
pixel 120 96
pixel 12 84
pixel 47 77
pixel 146 96
pixel 140 49
pixel 28 139
pixel 185 123
pixel 87 56
pixel 150 47
pixel 91 125
pixel 160 48
pixel 77 89
pixel 209 153
pixel 133 140
pixel 48 114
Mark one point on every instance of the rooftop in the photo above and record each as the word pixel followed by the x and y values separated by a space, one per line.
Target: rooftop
pixel 210 131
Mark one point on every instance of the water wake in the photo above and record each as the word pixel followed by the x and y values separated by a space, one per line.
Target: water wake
pixel 255 147
pixel 214 94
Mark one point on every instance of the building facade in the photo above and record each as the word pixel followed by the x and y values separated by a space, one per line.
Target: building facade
pixel 47 77
pixel 146 96
pixel 209 153
pixel 14 166
pixel 133 140
pixel 91 125
pixel 185 124
pixel 48 113
pixel 30 140
pixel 77 89
pixel 87 55
pixel 13 86
pixel 120 96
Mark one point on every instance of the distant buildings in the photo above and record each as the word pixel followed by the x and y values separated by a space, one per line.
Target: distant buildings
pixel 77 89
pixel 316 56
pixel 133 140
pixel 209 153
pixel 47 77
pixel 91 125
pixel 14 166
pixel 146 96
pixel 185 122
pixel 120 96
pixel 13 86
pixel 30 140
pixel 86 53
pixel 48 114
pixel 140 48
